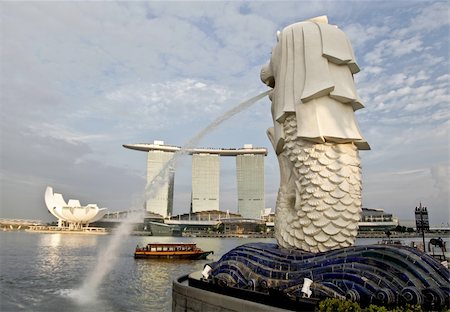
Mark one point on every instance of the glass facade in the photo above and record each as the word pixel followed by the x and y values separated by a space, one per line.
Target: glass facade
pixel 205 194
pixel 205 182
pixel 250 185
pixel 160 181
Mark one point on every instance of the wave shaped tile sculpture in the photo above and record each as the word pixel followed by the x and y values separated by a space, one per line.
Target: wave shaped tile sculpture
pixel 73 213
pixel 379 274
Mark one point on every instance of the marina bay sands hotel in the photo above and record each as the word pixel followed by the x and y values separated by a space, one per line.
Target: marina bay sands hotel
pixel 206 177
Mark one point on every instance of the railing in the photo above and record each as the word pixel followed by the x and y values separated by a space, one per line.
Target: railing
pixel 45 228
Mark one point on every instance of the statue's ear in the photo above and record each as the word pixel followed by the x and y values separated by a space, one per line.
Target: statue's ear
pixel 278 35
pixel 266 75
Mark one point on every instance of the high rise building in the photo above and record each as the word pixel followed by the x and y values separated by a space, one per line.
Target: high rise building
pixel 250 185
pixel 205 177
pixel 160 181
pixel 205 182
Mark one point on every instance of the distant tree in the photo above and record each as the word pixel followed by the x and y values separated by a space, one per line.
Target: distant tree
pixel 400 229
pixel 337 305
pixel 406 308
pixel 261 228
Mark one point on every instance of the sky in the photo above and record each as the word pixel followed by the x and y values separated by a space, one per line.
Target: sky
pixel 79 79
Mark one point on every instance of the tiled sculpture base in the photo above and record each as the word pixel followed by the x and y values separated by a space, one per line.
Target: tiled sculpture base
pixel 379 274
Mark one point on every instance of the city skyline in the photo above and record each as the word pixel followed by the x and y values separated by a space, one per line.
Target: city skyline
pixel 79 79
pixel 205 177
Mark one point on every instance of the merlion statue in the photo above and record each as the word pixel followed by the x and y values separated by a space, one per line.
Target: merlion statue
pixel 315 136
pixel 317 141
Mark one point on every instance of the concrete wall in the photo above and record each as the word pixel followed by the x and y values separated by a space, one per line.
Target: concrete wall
pixel 186 298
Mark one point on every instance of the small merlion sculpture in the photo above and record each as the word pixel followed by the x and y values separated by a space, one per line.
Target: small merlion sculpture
pixel 315 136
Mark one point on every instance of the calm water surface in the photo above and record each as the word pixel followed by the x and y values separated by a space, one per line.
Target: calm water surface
pixel 39 272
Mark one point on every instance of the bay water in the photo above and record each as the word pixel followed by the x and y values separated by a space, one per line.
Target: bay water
pixel 39 272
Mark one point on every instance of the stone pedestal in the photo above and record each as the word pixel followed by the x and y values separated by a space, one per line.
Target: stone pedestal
pixel 188 298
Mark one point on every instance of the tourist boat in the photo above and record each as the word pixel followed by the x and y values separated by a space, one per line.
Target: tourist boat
pixel 171 251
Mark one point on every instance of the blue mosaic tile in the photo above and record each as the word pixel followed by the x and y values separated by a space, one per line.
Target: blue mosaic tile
pixel 369 273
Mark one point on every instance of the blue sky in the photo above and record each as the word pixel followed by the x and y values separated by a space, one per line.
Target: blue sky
pixel 79 79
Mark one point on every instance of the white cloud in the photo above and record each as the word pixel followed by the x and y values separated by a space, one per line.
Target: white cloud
pixel 440 175
pixel 61 132
pixel 82 78
pixel 360 34
pixel 429 18
pixel 394 47
pixel 155 104
pixel 443 78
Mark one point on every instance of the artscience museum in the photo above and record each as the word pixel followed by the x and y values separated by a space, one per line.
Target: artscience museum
pixel 72 214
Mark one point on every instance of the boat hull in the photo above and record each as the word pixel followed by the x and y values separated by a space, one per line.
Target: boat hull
pixel 159 255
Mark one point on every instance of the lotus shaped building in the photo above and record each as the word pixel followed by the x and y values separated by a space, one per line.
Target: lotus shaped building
pixel 72 214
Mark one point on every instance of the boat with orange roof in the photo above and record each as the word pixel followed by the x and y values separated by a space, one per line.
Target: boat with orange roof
pixel 171 251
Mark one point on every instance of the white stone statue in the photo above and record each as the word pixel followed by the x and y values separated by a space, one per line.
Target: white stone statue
pixel 315 136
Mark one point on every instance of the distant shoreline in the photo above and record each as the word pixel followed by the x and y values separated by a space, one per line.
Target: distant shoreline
pixel 100 231
pixel 105 231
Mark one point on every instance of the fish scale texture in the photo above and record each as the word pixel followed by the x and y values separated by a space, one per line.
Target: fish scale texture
pixel 325 211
